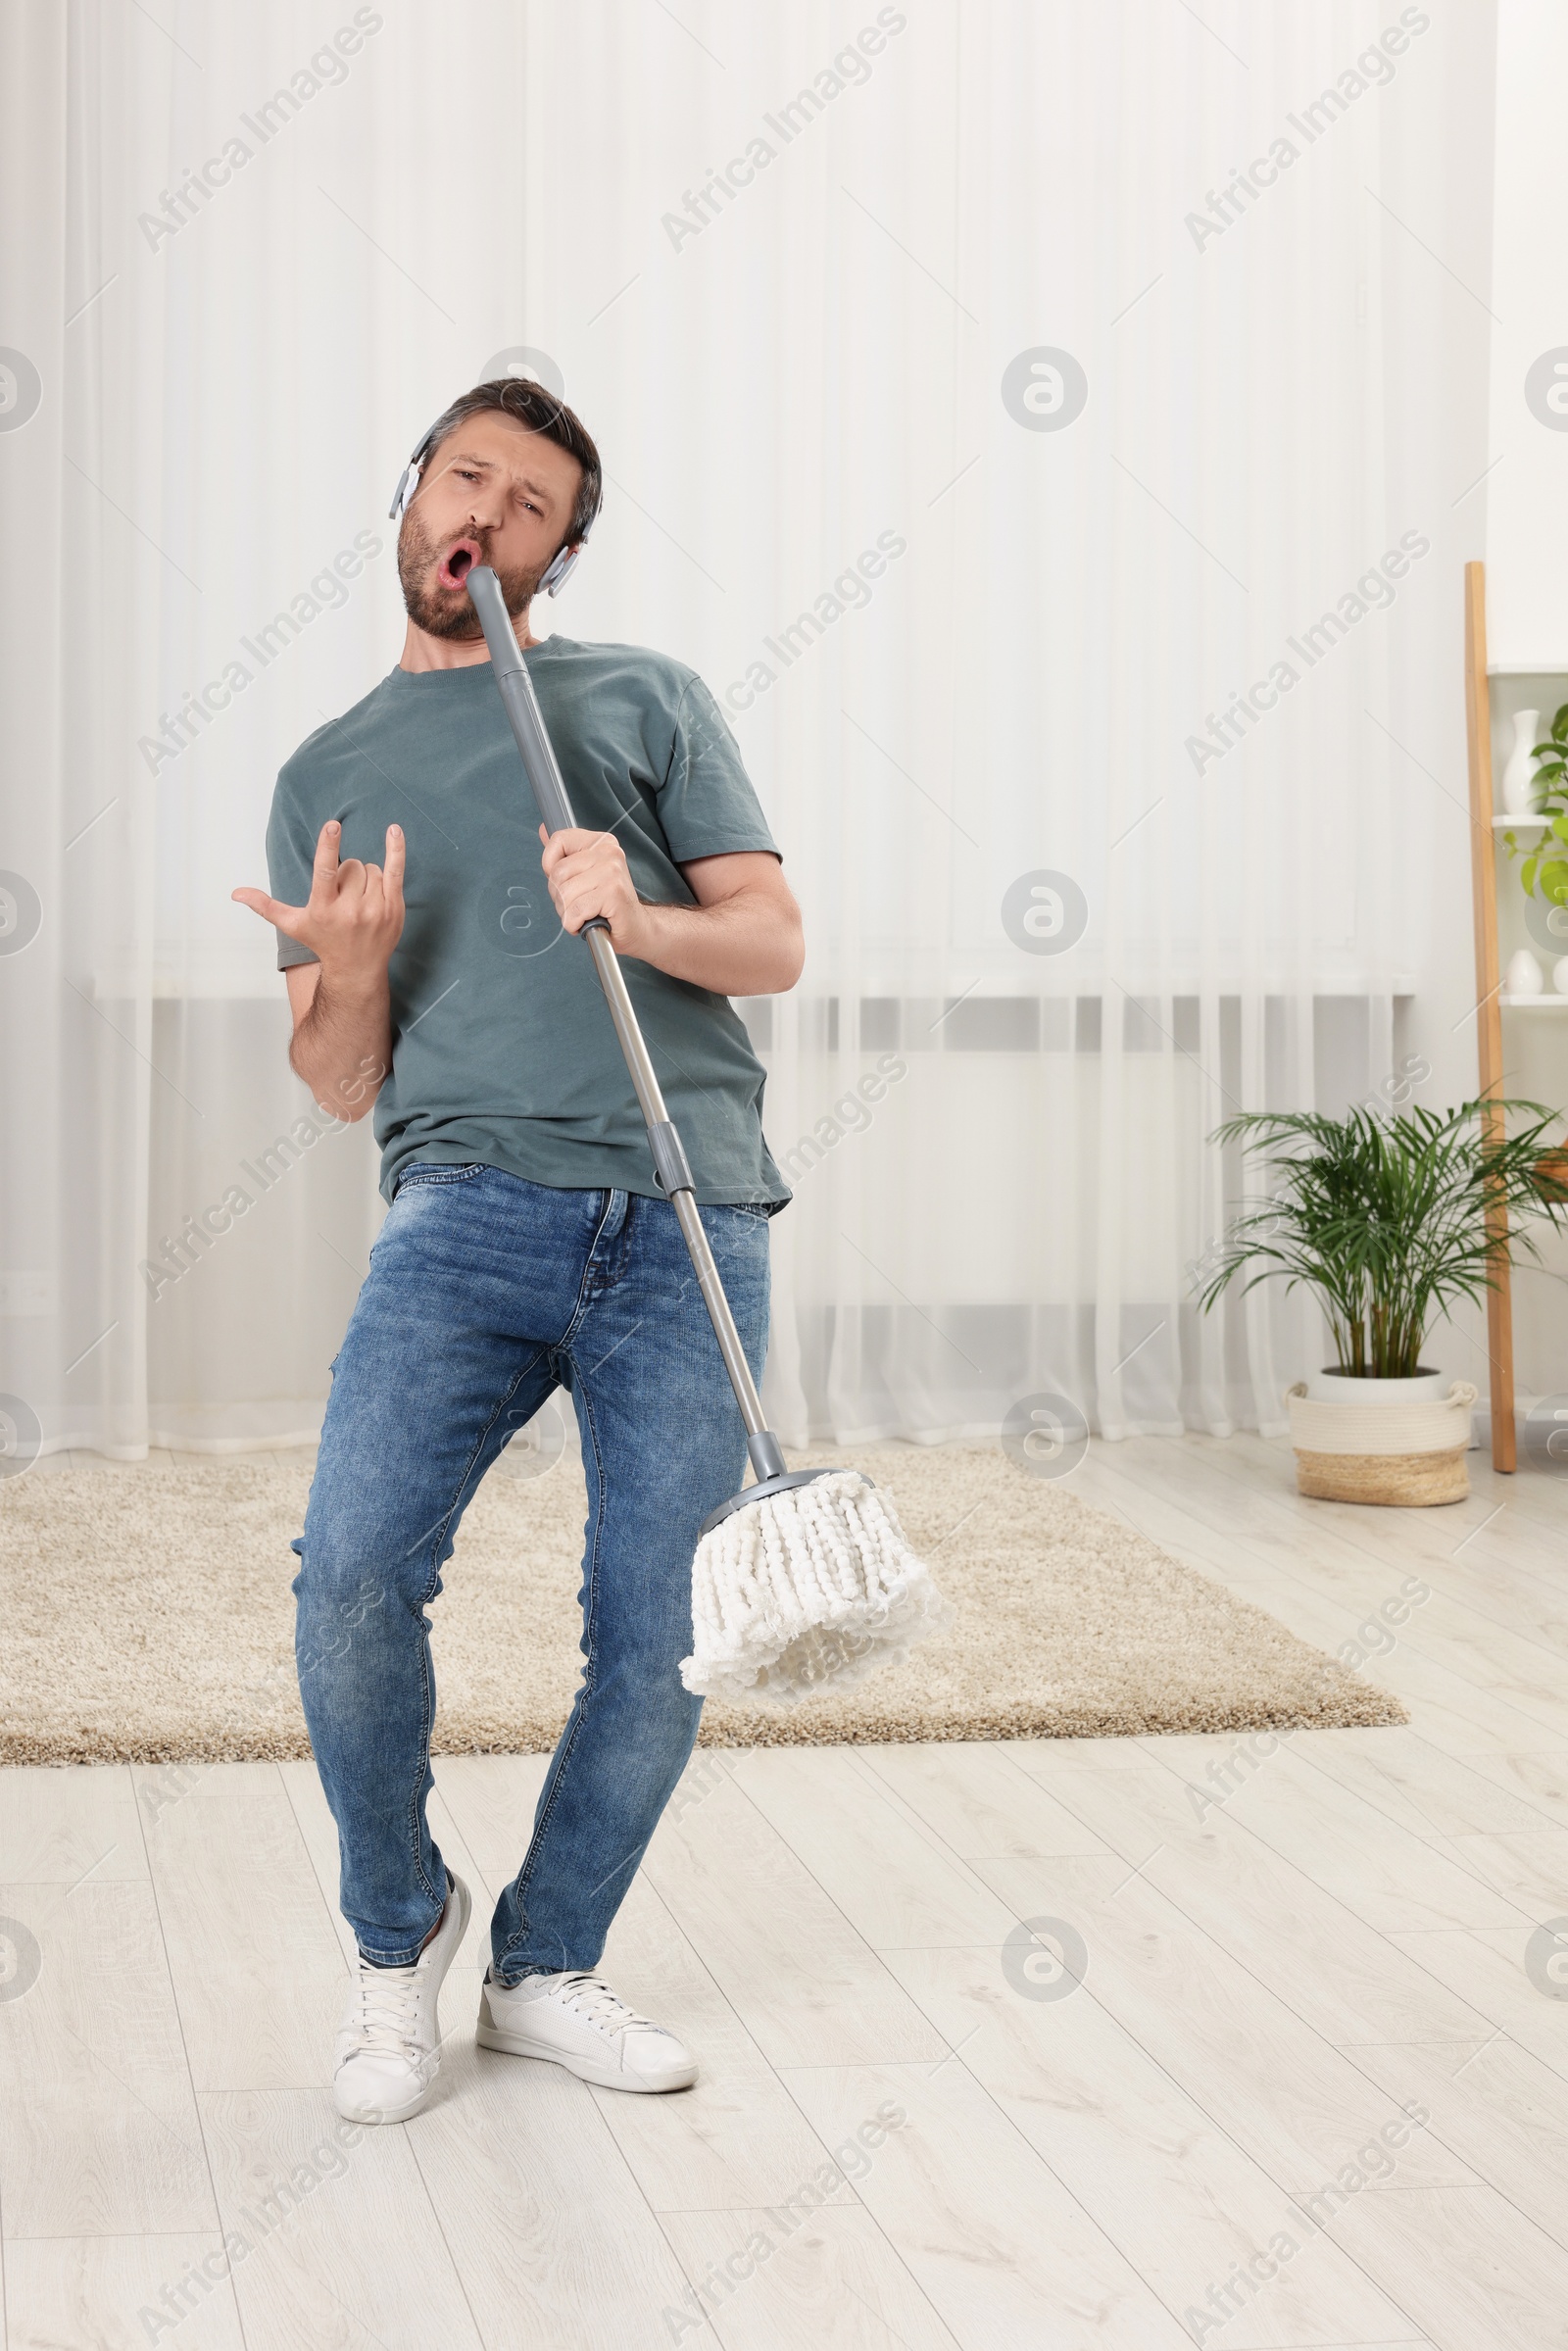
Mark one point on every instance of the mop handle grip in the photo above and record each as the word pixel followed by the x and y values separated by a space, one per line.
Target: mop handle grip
pixel 671 1168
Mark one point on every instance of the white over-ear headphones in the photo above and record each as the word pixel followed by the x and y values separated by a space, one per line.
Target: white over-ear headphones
pixel 560 567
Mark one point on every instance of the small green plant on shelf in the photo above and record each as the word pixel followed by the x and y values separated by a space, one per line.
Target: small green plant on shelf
pixel 1543 872
pixel 1385 1218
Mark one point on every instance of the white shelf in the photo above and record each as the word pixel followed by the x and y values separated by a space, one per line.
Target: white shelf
pixel 1536 821
pixel 1549 1002
pixel 1550 668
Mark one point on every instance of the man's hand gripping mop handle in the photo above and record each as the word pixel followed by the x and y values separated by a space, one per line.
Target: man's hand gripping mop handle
pixel 671 1169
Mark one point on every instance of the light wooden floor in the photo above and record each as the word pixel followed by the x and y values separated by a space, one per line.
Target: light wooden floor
pixel 1274 1980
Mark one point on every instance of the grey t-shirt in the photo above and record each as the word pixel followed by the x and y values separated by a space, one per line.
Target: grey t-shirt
pixel 502 1044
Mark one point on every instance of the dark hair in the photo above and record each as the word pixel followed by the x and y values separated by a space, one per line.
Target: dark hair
pixel 532 404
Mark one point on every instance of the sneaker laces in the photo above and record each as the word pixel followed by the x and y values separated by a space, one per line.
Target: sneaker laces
pixel 591 1998
pixel 386 2007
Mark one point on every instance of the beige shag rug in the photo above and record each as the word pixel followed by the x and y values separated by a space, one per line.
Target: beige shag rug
pixel 148 1618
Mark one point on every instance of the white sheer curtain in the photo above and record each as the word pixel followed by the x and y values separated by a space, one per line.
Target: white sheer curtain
pixel 999 1153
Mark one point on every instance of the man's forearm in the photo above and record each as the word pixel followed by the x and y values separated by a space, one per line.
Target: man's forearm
pixel 745 945
pixel 343 1047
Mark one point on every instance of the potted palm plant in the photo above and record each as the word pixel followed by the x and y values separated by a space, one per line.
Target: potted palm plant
pixel 1391 1221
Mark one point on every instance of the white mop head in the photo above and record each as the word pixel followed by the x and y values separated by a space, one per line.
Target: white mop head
pixel 811 1588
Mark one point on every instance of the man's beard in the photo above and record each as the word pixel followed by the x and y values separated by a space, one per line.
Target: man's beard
pixel 437 610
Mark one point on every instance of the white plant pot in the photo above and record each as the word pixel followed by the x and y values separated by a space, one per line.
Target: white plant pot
pixel 1401 1441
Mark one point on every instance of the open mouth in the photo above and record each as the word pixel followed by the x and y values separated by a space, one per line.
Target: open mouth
pixel 458 561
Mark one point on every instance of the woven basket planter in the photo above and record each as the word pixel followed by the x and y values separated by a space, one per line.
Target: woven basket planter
pixel 1409 1454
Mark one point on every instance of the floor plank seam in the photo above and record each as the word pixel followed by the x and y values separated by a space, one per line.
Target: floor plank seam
pixel 179 2020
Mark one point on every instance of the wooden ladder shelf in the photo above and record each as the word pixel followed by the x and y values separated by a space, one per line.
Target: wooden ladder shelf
pixel 1489 1009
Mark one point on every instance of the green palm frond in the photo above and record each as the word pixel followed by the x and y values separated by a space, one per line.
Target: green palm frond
pixel 1384 1217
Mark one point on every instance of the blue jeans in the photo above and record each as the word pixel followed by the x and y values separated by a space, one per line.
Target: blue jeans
pixel 486 1293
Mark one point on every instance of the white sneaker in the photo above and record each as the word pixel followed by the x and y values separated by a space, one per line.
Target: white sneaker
pixel 576 2020
pixel 389 2043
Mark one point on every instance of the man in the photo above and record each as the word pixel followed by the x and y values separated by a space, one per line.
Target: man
pixel 527 1245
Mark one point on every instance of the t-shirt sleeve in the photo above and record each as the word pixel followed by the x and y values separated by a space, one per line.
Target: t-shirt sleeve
pixel 706 805
pixel 290 863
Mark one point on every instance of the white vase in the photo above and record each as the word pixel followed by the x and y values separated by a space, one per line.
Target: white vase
pixel 1522 976
pixel 1559 975
pixel 1519 775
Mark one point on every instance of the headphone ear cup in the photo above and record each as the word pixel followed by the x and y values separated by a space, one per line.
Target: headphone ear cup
pixel 559 571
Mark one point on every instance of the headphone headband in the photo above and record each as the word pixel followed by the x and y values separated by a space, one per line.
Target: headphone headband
pixel 561 563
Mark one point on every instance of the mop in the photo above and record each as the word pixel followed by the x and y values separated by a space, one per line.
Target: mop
pixel 802 1580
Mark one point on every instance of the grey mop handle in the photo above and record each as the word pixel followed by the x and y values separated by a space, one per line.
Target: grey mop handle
pixel 671 1171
